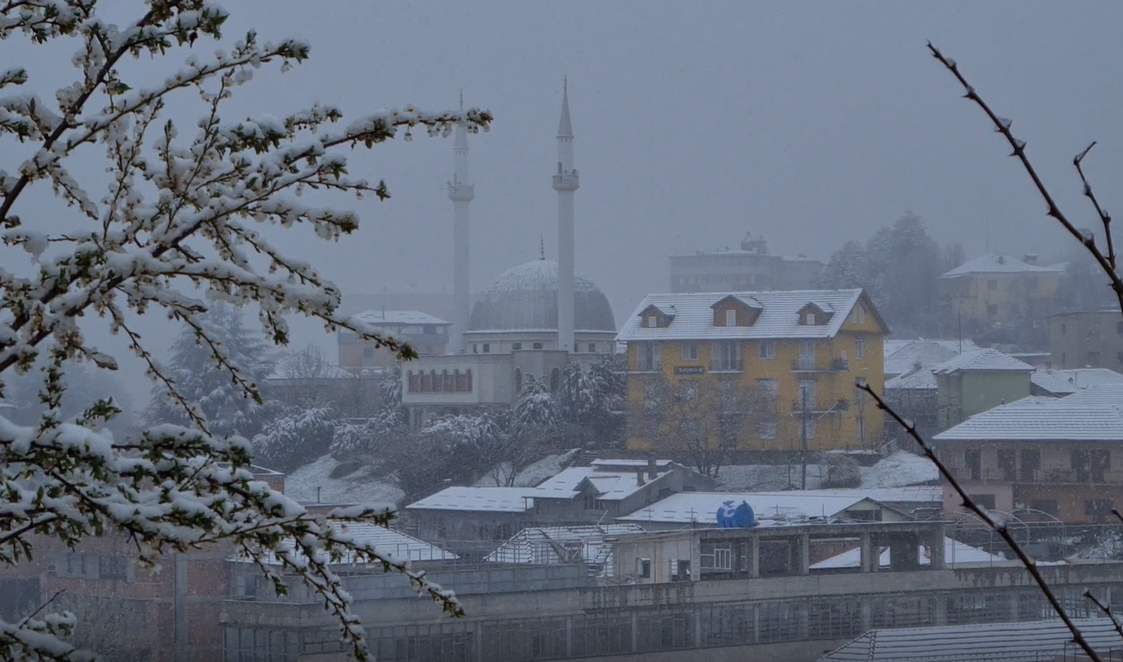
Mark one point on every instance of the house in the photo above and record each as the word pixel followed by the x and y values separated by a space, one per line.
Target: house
pixel 474 521
pixel 805 349
pixel 976 381
pixel 911 386
pixel 1086 339
pixel 548 545
pixel 1059 383
pixel 427 335
pixel 993 289
pixel 1059 457
pixel 749 267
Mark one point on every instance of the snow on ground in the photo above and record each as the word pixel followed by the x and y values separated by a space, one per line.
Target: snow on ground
pixel 767 477
pixel 359 487
pixel 534 473
pixel 899 470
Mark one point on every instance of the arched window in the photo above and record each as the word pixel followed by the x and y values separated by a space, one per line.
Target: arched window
pixel 555 379
pixel 468 378
pixel 426 383
pixel 436 381
pixel 447 383
pixel 413 385
pixel 459 380
pixel 518 381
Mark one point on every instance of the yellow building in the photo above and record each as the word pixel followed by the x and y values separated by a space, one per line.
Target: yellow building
pixel 999 288
pixel 692 358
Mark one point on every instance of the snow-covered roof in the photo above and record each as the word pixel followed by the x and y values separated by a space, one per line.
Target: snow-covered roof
pixel 982 360
pixel 687 507
pixel 525 297
pixel 478 499
pixel 385 540
pixel 1043 418
pixel 1030 640
pixel 1066 382
pixel 779 317
pixel 281 370
pixel 613 481
pixel 1000 264
pixel 563 544
pixel 411 317
pixel 955 553
pixel 903 356
pixel 917 378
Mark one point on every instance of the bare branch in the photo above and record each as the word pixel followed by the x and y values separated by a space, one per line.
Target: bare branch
pixel 996 524
pixel 1002 125
pixel 1105 218
pixel 1106 610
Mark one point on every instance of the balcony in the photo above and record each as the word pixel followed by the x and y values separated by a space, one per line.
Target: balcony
pixel 1009 475
pixel 814 408
pixel 808 365
pixel 726 365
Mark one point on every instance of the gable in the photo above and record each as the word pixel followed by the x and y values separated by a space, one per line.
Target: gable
pixel 654 317
pixel 740 312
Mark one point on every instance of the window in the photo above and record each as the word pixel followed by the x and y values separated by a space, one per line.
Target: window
pixel 518 381
pixel 689 350
pixel 1049 506
pixel 731 317
pixel 767 387
pixel 537 345
pixel 475 348
pixel 680 570
pixel 1008 463
pixel 809 426
pixel 767 350
pixel 589 500
pixel 516 345
pixel 487 348
pixel 1031 463
pixel 1064 328
pixel 592 348
pixel 861 428
pixel 368 352
pixel 984 500
pixel 643 568
pixel 1098 509
pixel 859 348
pixel 768 430
pixel 992 285
pixel 973 460
pixel 648 357
pixel 726 356
pixel 810 319
pixel 652 321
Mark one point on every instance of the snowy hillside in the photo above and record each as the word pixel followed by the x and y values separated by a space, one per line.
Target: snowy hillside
pixel 362 486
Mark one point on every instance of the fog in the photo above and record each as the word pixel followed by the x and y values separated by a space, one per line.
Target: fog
pixel 809 123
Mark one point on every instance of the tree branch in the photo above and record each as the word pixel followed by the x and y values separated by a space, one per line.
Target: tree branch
pixel 993 522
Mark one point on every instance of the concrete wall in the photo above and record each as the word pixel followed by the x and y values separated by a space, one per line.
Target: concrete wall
pixel 1086 340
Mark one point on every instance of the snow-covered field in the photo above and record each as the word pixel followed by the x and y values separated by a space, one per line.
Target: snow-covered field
pixel 899 470
pixel 534 473
pixel 362 486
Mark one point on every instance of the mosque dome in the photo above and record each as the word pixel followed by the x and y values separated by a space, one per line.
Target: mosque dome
pixel 525 298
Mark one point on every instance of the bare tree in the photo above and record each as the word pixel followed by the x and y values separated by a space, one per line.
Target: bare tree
pixel 701 422
pixel 1105 257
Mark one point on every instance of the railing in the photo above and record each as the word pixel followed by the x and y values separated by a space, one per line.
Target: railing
pixel 1059 476
pixel 728 365
pixel 808 365
pixel 813 408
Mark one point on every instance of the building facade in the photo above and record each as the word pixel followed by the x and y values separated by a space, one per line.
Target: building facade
pixel 1048 457
pixel 749 268
pixel 974 382
pixel 427 335
pixel 999 289
pixel 805 349
pixel 1087 339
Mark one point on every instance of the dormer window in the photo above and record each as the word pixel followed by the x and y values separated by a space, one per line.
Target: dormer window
pixel 814 314
pixel 810 319
pixel 654 317
pixel 731 317
pixel 652 321
pixel 732 311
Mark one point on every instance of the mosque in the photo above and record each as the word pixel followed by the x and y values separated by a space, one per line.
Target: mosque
pixel 532 321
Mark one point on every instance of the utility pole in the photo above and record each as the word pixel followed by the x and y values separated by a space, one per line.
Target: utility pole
pixel 803 440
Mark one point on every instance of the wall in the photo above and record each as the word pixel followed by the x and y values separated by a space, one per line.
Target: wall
pixel 962 394
pixel 1086 340
pixel 1015 297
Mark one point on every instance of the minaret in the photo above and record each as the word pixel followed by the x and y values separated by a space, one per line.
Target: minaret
pixel 565 183
pixel 461 192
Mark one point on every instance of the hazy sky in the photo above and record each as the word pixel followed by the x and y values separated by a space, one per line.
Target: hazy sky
pixel 811 123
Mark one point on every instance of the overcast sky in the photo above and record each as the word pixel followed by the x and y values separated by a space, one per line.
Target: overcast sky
pixel 811 123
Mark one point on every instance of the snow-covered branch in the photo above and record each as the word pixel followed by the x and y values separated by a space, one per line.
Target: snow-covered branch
pixel 180 214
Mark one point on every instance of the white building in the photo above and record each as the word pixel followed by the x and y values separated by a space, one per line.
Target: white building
pixel 532 321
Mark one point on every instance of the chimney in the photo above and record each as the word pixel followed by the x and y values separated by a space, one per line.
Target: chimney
pixel 639 478
pixel 652 473
pixel 1031 258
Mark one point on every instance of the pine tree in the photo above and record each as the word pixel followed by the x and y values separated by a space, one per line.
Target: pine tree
pixel 226 407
